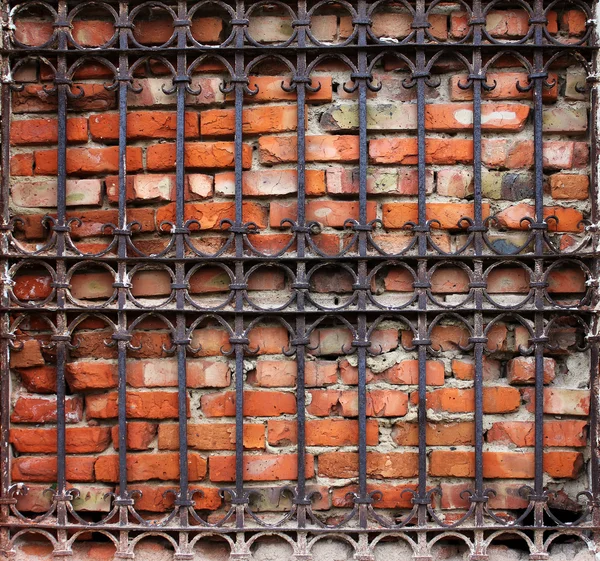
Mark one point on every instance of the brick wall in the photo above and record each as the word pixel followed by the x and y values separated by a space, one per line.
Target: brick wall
pixel 270 190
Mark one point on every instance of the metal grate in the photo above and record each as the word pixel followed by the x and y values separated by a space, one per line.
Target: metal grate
pixel 537 51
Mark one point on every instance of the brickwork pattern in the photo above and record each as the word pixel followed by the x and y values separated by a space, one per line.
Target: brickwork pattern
pixel 457 288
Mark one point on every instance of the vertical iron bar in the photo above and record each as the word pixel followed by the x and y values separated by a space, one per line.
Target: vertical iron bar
pixel 181 342
pixel 478 78
pixel 61 335
pixel 540 227
pixel 5 113
pixel 240 83
pixel 361 342
pixel 594 333
pixel 595 322
pixel 301 286
pixel 422 499
pixel 122 337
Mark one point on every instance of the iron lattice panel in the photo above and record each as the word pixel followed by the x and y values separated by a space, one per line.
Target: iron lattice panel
pixel 419 52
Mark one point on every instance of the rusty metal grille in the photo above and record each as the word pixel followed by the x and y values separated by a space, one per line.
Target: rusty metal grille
pixel 476 252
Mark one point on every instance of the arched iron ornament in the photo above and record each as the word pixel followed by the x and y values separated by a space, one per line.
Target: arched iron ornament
pixel 363 257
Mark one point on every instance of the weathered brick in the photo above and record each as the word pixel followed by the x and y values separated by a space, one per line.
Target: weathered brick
pixel 568 186
pixel 45 131
pixel 211 436
pixel 198 155
pixel 404 151
pixel 256 404
pixel 139 405
pixel 269 183
pixel 210 214
pixel 507 185
pixel 379 465
pixel 556 433
pixel 44 468
pixel 85 161
pixel 35 409
pixel 505 87
pixel 521 370
pixel 328 213
pixel 256 120
pixel 141 467
pixel 380 403
pixel 263 467
pixel 396 215
pixel 494 117
pixel 380 181
pixel 280 149
pixel 566 219
pixel 566 120
pixel 142 125
pixel 79 440
pixel 270 89
pixel 560 401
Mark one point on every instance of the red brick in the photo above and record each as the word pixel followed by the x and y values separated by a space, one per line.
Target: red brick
pixel 380 403
pixel 27 354
pixel 198 155
pixel 256 404
pixel 155 498
pixel 396 215
pixel 139 435
pixel 213 436
pixel 255 120
pixel 404 151
pixel 505 89
pixel 42 193
pixel 328 213
pixel 379 465
pixel 34 409
pixel 568 186
pixel 498 399
pixel 94 375
pixel 569 219
pixel 142 125
pixel 154 465
pixel 521 370
pixel 270 89
pixel 325 148
pixel 269 183
pixel 158 30
pixel 88 161
pixel 560 401
pixel 392 496
pixel 556 433
pixel 210 214
pixel 79 440
pixel 34 99
pixel 407 372
pixel 34 286
pixel 264 467
pixel 437 434
pixel 139 405
pixel 268 339
pixel 45 131
pixel 163 373
pixel 575 22
pixel 494 117
pixel 22 165
pixel 40 379
pixel 43 468
pixel 465 370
